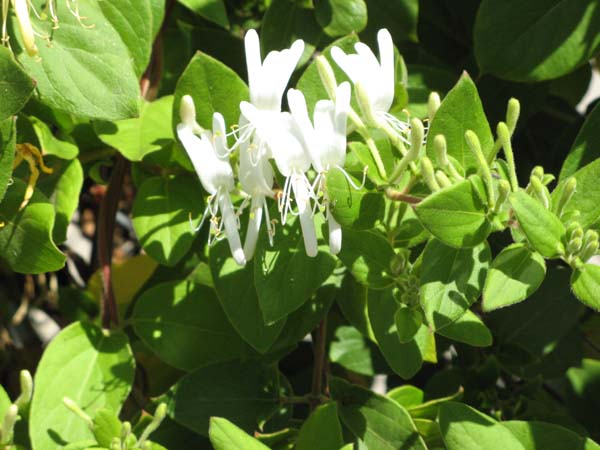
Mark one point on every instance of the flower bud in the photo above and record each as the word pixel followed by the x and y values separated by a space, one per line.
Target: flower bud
pixel 574 246
pixel 362 97
pixel 538 172
pixel 577 233
pixel 475 146
pixel 8 424
pixel 503 191
pixel 590 236
pixel 187 110
pixel 125 431
pixel 398 264
pixel 540 191
pixel 159 416
pixel 327 75
pixel 567 193
pixel 504 137
pixel 433 104
pixel 428 174
pixel 74 407
pixel 115 444
pixel 21 8
pixel 26 390
pixel 417 135
pixel 442 179
pixel 512 114
pixel 589 250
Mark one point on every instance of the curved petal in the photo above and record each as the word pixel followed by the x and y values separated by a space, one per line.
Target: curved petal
pixel 309 233
pixel 231 228
pixel 335 234
pixel 253 61
pixel 386 55
pixel 253 226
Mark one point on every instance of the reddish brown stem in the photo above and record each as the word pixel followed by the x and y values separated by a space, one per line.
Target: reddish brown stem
pixel 319 341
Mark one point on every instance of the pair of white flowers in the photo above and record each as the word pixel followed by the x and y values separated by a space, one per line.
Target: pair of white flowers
pixel 290 139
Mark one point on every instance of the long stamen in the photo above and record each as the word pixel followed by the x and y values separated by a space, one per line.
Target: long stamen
pixel 270 226
pixel 349 179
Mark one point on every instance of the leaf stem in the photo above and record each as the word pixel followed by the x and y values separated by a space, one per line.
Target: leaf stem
pixel 319 339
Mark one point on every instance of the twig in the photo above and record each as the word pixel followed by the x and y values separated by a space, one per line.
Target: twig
pixel 402 197
pixel 319 363
pixel 106 229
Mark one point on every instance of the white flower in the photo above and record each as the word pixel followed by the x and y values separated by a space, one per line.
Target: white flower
pixel 374 79
pixel 256 178
pixel 293 162
pixel 325 142
pixel 214 170
pixel 267 81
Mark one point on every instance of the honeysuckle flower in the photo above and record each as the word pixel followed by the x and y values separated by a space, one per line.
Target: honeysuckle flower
pixel 293 162
pixel 256 178
pixel 325 142
pixel 373 79
pixel 214 171
pixel 267 81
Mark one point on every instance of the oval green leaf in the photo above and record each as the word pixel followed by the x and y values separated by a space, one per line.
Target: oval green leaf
pixel 585 282
pixel 15 85
pixel 514 275
pixel 100 367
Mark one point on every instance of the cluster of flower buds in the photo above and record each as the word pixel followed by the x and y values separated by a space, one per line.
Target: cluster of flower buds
pixel 24 9
pixel 302 150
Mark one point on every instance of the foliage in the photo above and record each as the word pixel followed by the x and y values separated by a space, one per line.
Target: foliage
pixel 449 249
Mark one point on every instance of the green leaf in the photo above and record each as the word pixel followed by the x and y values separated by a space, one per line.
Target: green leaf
pixel 101 368
pixel 15 86
pixel 50 144
pixel 88 72
pixel 404 359
pixel 160 216
pixel 543 229
pixel 322 430
pixel 310 82
pixel 26 237
pixel 185 326
pixel 408 321
pixel 455 215
pixel 381 423
pixel 353 303
pixel 537 435
pixel 367 254
pixel 136 138
pixel 285 277
pixel 106 427
pixel 469 329
pixel 134 21
pixel 349 349
pixel 429 410
pixel 461 110
pixel 514 275
pixel 284 22
pixel 586 197
pixel 356 209
pixel 235 289
pixel 585 282
pixel 451 280
pixel 62 189
pixel 224 435
pixel 214 88
pixel 213 10
pixel 244 393
pixel 400 17
pixel 341 17
pixel 407 395
pixel 464 428
pixel 430 432
pixel 583 151
pixel 4 402
pixel 546 39
pixel 8 134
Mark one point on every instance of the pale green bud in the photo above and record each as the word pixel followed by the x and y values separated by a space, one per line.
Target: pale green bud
pixel 503 191
pixel 577 233
pixel 540 191
pixel 538 172
pixel 589 250
pixel 327 75
pixel 115 444
pixel 26 390
pixel 365 104
pixel 417 135
pixel 8 424
pixel 567 193
pixel 513 112
pixel 574 246
pixel 159 416
pixel 433 104
pixel 442 179
pixel 475 146
pixel 441 150
pixel 428 174
pixel 74 407
pixel 504 135
pixel 590 236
